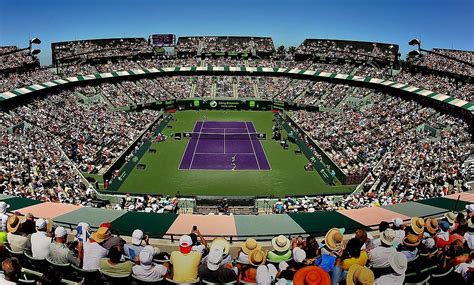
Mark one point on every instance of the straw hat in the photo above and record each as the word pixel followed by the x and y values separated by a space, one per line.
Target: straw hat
pixel 388 236
pixel 13 223
pixel 281 243
pixel 418 225
pixel 450 216
pixel 257 257
pixel 221 242
pixel 249 245
pixel 102 234
pixel 411 240
pixel 431 225
pixel 333 239
pixel 359 275
pixel 311 275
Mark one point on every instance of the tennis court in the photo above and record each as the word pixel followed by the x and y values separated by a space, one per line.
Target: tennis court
pixel 217 145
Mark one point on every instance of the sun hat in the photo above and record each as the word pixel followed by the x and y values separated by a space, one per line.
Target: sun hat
pixel 333 239
pixel 398 222
pixel 431 225
pixel 137 237
pixel 13 223
pixel 249 245
pixel 222 242
pixel 388 236
pixel 215 257
pixel 185 243
pixel 311 275
pixel 102 234
pixel 60 232
pixel 146 255
pixel 3 207
pixel 470 207
pixel 411 240
pixel 299 255
pixel 41 224
pixel 418 225
pixel 450 216
pixel 444 226
pixel 398 262
pixel 281 243
pixel 257 257
pixel 359 275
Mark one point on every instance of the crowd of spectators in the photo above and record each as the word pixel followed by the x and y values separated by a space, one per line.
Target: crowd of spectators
pixel 14 59
pixel 209 44
pixel 438 62
pixel 417 250
pixel 348 50
pixel 73 51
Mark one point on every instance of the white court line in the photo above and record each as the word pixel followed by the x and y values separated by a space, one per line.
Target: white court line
pixel 197 143
pixel 263 149
pixel 224 140
pixel 184 152
pixel 251 142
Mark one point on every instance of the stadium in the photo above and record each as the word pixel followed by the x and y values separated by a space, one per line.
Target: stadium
pixel 180 158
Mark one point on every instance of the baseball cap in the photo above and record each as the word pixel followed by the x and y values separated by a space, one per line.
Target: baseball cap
pixel 60 232
pixel 137 237
pixel 40 224
pixel 185 243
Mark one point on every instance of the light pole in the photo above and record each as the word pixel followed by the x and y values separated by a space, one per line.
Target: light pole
pixel 33 41
pixel 417 42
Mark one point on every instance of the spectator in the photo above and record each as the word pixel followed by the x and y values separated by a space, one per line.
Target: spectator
pixel 380 255
pixel 113 265
pixel 93 249
pixel 248 273
pixel 246 248
pixel 133 250
pixel 3 210
pixel 359 275
pixel 82 232
pixel 40 241
pixel 17 239
pixel 398 263
pixel 185 261
pixel 214 271
pixel 61 253
pixel 288 269
pixel 280 249
pixel 311 275
pixel 409 247
pixel 398 227
pixel 11 271
pixel 147 270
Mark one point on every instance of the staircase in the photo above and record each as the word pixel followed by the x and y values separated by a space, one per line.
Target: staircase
pixel 235 92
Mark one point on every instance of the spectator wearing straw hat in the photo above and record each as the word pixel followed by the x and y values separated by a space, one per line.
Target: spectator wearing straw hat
pixel 40 240
pixel 93 250
pixel 431 226
pixel 60 253
pixel 398 263
pixel 311 275
pixel 220 242
pixel 214 271
pixel 417 226
pixel 248 273
pixel 185 261
pixel 146 269
pixel 382 227
pixel 17 240
pixel 245 249
pixel 379 256
pixel 410 247
pixel 359 275
pixel 280 249
pixel 333 241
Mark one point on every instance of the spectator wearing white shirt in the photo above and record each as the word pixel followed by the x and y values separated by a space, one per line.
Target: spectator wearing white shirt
pixel 93 250
pixel 398 262
pixel 139 241
pixel 3 210
pixel 147 270
pixel 40 240
pixel 379 256
pixel 399 231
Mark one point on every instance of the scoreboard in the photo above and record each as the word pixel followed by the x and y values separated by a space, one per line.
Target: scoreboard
pixel 163 40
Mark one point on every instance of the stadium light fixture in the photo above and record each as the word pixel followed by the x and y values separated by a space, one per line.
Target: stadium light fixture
pixel 415 42
pixel 35 41
pixel 35 51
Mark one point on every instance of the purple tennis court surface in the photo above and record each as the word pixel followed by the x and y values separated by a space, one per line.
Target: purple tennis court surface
pixel 213 145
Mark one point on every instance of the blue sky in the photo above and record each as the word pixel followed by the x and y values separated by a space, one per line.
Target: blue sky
pixel 446 24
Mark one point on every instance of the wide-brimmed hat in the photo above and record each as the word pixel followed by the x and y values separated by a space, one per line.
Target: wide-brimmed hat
pixel 398 262
pixel 450 217
pixel 102 234
pixel 333 239
pixel 257 257
pixel 417 225
pixel 470 207
pixel 222 242
pixel 388 236
pixel 281 243
pixel 431 225
pixel 214 258
pixel 249 245
pixel 359 275
pixel 398 222
pixel 299 255
pixel 411 240
pixel 311 275
pixel 13 223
